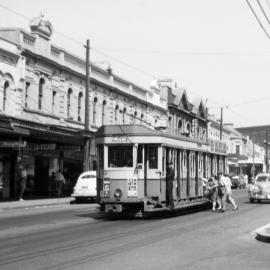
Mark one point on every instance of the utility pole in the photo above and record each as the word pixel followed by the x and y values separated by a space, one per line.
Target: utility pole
pixel 266 151
pixel 253 166
pixel 86 121
pixel 221 122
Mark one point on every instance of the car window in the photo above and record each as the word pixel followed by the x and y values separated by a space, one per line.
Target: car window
pixel 262 179
pixel 88 176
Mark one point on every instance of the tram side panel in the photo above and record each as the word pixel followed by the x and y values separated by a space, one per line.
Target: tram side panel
pixel 183 174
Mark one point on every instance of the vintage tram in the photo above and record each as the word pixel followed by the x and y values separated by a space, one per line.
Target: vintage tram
pixel 131 176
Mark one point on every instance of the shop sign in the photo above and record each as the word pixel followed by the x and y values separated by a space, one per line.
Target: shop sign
pixel 119 139
pixel 74 148
pixel 13 144
pixel 218 147
pixel 132 187
pixel 41 146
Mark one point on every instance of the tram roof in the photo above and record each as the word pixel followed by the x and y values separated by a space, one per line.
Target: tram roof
pixel 138 130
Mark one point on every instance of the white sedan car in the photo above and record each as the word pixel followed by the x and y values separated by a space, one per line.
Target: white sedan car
pixel 86 187
pixel 260 190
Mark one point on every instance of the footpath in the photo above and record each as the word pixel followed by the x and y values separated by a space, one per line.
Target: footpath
pixel 263 233
pixel 9 205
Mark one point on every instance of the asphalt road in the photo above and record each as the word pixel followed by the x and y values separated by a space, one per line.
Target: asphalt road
pixel 76 237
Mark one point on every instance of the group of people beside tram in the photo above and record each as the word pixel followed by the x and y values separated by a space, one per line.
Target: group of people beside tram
pixel 218 190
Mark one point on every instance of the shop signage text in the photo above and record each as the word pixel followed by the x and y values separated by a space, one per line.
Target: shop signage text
pixel 12 144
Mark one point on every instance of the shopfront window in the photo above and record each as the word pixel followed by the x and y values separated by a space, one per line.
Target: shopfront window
pixel 153 157
pixel 120 156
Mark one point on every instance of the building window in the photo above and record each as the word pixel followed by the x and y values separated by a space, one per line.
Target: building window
pixel 6 86
pixel 53 101
pixel 69 101
pixel 180 127
pixel 27 85
pixel 116 114
pixel 80 106
pixel 237 149
pixel 40 92
pixel 142 116
pixel 103 112
pixel 170 123
pixel 94 110
pixel 135 117
pixel 124 115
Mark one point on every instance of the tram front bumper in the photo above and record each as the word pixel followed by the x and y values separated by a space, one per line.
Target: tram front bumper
pixel 113 208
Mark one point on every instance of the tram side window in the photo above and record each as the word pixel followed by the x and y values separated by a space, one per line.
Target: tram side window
pixel 140 155
pixel 153 157
pixel 120 156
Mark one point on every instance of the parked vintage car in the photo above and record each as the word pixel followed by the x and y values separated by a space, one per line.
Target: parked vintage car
pixel 260 190
pixel 238 181
pixel 86 187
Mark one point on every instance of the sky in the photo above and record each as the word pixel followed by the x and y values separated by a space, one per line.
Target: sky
pixel 215 49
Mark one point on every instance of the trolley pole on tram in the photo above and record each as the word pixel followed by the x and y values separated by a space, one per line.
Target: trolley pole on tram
pixel 86 121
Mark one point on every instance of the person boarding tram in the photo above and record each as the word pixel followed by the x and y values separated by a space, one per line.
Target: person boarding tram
pixel 169 185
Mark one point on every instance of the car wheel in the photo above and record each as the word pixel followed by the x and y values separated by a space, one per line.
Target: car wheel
pixel 251 200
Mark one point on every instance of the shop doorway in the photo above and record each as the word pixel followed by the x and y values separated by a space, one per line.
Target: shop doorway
pixel 42 176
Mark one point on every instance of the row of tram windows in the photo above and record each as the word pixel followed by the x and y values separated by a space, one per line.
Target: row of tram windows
pixel 186 162
pixel 120 156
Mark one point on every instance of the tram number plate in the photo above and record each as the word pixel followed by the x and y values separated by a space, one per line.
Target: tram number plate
pixel 113 208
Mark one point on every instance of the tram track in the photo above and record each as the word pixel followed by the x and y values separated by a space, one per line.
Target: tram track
pixel 137 231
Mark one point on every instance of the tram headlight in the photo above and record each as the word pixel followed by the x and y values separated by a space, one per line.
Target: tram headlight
pixel 118 194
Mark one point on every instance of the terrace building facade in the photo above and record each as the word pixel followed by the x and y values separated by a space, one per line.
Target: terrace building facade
pixel 42 108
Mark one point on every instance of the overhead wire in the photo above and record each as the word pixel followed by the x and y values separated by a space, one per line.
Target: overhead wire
pixel 257 18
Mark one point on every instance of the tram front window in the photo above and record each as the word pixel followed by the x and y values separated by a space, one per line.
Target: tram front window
pixel 120 156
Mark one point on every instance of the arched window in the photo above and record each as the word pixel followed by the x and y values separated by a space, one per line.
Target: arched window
pixel 170 123
pixel 69 101
pixel 188 129
pixel 40 92
pixel 103 112
pixel 180 125
pixel 80 106
pixel 124 115
pixel 135 117
pixel 116 110
pixel 6 86
pixel 95 110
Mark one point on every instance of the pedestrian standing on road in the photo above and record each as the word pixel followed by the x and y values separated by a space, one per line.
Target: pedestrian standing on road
pixel 60 181
pixel 212 192
pixel 228 187
pixel 222 192
pixel 169 185
pixel 22 177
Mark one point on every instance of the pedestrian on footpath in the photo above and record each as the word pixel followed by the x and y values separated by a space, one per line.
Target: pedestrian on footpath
pixel 222 195
pixel 60 181
pixel 52 184
pixel 229 194
pixel 22 177
pixel 169 185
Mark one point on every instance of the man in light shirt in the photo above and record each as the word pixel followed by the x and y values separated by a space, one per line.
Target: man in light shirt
pixel 229 195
